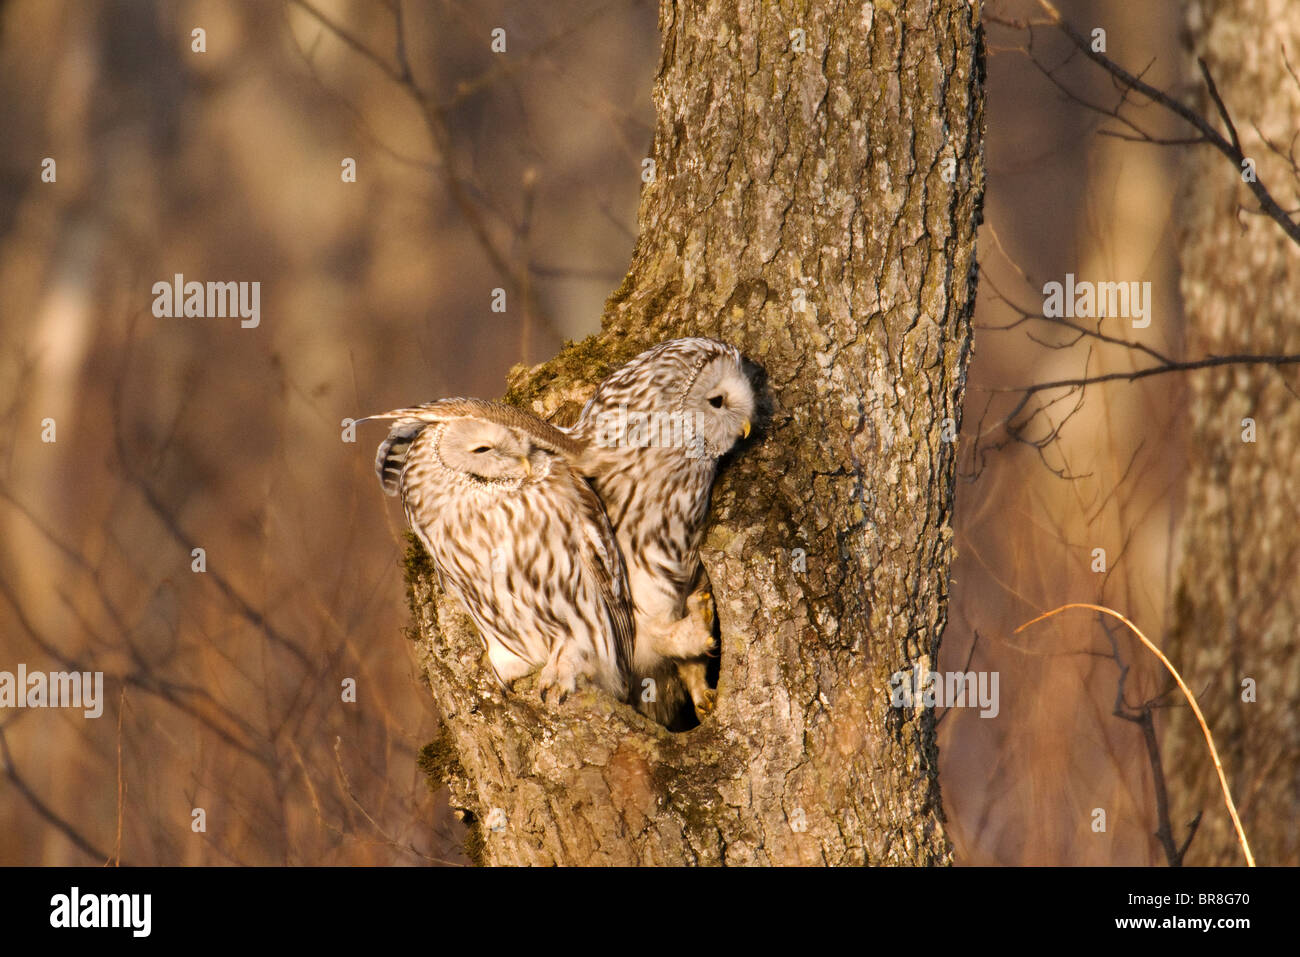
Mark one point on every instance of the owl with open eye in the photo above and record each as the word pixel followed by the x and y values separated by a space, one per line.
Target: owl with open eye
pixel 517 536
pixel 652 435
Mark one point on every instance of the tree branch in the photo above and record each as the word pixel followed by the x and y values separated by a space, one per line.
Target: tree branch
pixel 1229 147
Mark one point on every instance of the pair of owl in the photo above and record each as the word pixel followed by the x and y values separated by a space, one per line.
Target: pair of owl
pixel 576 551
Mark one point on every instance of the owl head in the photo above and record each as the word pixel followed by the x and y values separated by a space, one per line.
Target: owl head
pixel 719 400
pixel 486 452
pixel 693 394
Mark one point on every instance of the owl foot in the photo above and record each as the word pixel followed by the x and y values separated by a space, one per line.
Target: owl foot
pixel 703 697
pixel 559 679
pixel 706 702
pixel 700 605
pixel 554 691
pixel 689 637
pixel 557 692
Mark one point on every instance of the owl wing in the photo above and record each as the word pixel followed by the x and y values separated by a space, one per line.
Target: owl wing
pixel 604 562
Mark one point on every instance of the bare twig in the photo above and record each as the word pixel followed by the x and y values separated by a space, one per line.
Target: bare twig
pixel 1187 693
pixel 1229 146
pixel 116 860
pixel 1143 717
pixel 80 841
pixel 434 116
pixel 1208 362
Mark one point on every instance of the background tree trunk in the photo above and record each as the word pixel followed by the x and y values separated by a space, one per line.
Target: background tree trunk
pixel 1238 612
pixel 800 210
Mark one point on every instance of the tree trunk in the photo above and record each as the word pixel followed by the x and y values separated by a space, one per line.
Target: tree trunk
pixel 1237 613
pixel 801 208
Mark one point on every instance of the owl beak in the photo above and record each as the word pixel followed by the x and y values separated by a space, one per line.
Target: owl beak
pixel 526 465
pixel 744 430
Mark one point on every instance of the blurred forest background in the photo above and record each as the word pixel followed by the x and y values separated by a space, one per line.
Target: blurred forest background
pixel 522 173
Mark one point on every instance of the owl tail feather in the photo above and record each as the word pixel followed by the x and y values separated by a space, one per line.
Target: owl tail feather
pixel 407 424
pixel 391 457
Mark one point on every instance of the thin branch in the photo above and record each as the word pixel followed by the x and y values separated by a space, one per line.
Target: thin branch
pixel 1187 693
pixel 1229 148
pixel 435 121
pixel 1081 331
pixel 1208 362
pixel 1143 717
pixel 1219 105
pixel 82 843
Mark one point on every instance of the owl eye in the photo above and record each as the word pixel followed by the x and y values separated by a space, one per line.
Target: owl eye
pixel 481 448
pixel 715 401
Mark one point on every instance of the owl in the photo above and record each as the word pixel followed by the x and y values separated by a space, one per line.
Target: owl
pixel 517 536
pixel 652 435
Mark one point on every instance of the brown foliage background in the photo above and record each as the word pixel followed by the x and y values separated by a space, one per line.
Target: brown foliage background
pixel 223 688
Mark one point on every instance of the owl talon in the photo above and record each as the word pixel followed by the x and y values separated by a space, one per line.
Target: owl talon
pixel 700 605
pixel 704 698
pixel 686 638
pixel 561 678
pixel 553 694
pixel 706 703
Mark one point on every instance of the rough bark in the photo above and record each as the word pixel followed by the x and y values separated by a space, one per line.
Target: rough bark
pixel 799 210
pixel 1238 611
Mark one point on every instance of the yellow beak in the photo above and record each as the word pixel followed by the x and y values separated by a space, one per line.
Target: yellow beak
pixel 744 430
pixel 526 465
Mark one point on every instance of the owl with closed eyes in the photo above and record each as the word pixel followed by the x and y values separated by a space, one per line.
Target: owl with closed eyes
pixel 517 536
pixel 652 435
